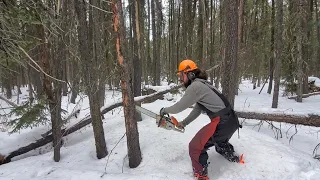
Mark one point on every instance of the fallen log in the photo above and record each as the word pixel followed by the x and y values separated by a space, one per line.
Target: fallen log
pixel 64 121
pixel 86 121
pixel 305 95
pixel 307 120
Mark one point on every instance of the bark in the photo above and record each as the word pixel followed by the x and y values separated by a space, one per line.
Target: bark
pixel 7 82
pixel 149 68
pixel 309 120
pixel 201 38
pixel 134 152
pixel 278 52
pixel 154 43
pixel 137 74
pixel 271 61
pixel 159 27
pixel 240 25
pixel 90 76
pixel 299 68
pixel 231 52
pixel 318 38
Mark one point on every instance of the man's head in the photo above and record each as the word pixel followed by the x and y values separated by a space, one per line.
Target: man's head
pixel 185 71
pixel 188 71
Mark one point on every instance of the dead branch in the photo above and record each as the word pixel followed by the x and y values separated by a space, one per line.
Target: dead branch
pixel 315 154
pixel 8 101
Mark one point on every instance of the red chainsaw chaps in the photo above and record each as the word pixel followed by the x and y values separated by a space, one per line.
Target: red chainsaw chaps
pixel 198 142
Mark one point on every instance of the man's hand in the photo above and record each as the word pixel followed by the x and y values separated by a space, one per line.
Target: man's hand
pixel 180 125
pixel 162 113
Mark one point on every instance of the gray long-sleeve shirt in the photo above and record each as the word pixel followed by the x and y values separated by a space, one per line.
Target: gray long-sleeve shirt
pixel 200 93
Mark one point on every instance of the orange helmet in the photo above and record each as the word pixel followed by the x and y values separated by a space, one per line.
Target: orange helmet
pixel 187 65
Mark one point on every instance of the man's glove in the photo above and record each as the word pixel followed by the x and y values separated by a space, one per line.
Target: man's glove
pixel 162 113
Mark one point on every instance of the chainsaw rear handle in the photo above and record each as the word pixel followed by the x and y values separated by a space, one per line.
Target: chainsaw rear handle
pixel 174 122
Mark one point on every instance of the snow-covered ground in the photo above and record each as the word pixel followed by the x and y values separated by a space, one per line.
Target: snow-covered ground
pixel 165 153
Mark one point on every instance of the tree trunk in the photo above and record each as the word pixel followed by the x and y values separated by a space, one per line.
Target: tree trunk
pixel 301 43
pixel 30 88
pixel 278 52
pixel 154 43
pixel 53 96
pixel 7 82
pixel 271 61
pixel 318 38
pixel 134 152
pixel 158 30
pixel 90 76
pixel 137 52
pixel 229 80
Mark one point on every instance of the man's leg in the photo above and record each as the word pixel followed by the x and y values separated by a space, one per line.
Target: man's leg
pixel 197 146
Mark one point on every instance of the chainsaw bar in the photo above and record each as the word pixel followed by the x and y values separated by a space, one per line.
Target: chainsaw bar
pixel 164 122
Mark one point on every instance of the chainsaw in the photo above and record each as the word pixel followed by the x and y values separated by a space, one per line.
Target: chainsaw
pixel 166 122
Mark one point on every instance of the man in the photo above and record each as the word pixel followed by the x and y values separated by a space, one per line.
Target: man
pixel 224 121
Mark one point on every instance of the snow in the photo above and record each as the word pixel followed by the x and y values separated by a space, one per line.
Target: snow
pixel 316 79
pixel 165 153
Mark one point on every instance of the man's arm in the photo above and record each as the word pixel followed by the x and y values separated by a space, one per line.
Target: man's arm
pixel 192 116
pixel 190 97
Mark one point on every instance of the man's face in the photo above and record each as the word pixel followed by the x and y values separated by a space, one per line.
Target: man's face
pixel 184 79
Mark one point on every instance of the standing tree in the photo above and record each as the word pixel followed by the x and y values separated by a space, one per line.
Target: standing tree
pixel 271 61
pixel 229 69
pixel 89 66
pixel 278 52
pixel 137 73
pixel 134 152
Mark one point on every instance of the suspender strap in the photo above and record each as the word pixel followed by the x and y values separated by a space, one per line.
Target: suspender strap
pixel 223 111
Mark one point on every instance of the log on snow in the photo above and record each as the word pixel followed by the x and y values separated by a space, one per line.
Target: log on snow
pixel 305 95
pixel 308 120
pixel 47 139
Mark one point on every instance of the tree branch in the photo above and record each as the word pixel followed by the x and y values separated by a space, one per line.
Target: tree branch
pixel 9 102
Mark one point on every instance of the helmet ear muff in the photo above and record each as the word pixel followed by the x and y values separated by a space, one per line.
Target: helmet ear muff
pixel 191 76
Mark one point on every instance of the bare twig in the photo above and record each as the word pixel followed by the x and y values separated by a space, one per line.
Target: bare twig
pixel 124 161
pixel 291 138
pixel 315 155
pixel 38 65
pixel 9 102
pixel 105 168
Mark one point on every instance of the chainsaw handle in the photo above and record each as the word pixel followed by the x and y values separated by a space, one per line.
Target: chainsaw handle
pixel 179 129
pixel 176 127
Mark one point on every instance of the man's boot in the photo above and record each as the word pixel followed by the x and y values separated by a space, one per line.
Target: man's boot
pixel 227 151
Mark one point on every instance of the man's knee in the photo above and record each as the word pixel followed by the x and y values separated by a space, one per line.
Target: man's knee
pixel 191 148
